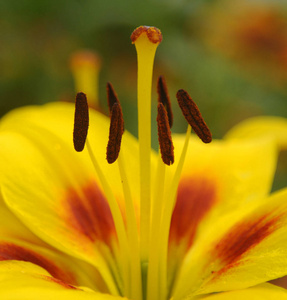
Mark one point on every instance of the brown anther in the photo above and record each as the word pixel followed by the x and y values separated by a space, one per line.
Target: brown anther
pixel 164 136
pixel 81 122
pixel 153 34
pixel 112 96
pixel 116 132
pixel 163 97
pixel 193 116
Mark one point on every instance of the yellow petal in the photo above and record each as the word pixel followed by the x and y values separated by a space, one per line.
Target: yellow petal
pixel 25 281
pixel 59 265
pixel 43 185
pixel 242 249
pixel 261 292
pixel 218 177
pixel 15 233
pixel 14 227
pixel 71 212
pixel 274 127
pixel 58 119
pixel 51 195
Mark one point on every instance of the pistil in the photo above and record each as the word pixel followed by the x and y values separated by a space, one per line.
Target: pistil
pixel 85 66
pixel 146 40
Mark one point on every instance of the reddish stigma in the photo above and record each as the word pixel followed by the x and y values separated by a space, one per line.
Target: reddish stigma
pixel 153 34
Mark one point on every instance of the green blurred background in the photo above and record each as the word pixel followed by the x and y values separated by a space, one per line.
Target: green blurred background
pixel 231 56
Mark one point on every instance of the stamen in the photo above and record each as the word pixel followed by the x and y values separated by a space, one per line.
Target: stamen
pixel 170 198
pixel 85 66
pixel 135 279
pixel 132 233
pixel 117 217
pixel 154 292
pixel 164 136
pixel 163 97
pixel 112 96
pixel 193 116
pixel 116 132
pixel 81 122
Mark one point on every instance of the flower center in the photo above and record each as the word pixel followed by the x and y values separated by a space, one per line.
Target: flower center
pixel 143 254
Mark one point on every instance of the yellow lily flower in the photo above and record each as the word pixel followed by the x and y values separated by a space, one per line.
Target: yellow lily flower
pixel 77 227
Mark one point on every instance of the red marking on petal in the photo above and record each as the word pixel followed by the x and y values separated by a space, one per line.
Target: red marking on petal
pixel 195 198
pixel 243 237
pixel 9 251
pixel 60 282
pixel 89 213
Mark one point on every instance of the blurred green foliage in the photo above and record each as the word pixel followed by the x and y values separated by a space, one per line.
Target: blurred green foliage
pixel 231 56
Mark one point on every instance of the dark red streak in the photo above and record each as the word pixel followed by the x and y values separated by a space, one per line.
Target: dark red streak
pixel 242 238
pixel 9 251
pixel 89 213
pixel 195 198
pixel 63 284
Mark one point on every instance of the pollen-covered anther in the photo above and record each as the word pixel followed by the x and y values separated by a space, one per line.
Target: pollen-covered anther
pixel 193 116
pixel 153 34
pixel 164 136
pixel 163 97
pixel 116 132
pixel 112 96
pixel 81 122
